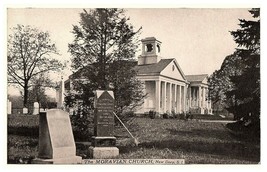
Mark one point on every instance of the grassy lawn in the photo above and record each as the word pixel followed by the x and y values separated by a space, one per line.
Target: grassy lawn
pixel 196 142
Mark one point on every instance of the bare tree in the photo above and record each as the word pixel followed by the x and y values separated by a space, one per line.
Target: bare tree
pixel 29 55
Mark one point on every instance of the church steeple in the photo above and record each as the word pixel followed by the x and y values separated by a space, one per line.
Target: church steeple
pixel 150 51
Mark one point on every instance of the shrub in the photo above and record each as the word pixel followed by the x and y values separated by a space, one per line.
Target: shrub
pixel 176 115
pixel 189 116
pixel 165 116
pixel 152 114
pixel 23 125
pixel 172 115
pixel 182 116
pixel 82 125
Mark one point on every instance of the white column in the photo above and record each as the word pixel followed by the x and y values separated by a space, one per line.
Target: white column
pixel 145 99
pixel 157 96
pixel 170 102
pixel 179 100
pixel 175 98
pixel 185 91
pixel 183 99
pixel 207 92
pixel 204 97
pixel 189 97
pixel 199 96
pixel 164 97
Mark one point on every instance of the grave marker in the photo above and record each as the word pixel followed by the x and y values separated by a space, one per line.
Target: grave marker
pixel 56 141
pixel 35 108
pixel 9 107
pixel 104 124
pixel 104 141
pixel 25 111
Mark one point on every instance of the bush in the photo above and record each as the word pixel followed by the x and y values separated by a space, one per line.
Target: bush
pixel 82 125
pixel 245 128
pixel 165 116
pixel 189 116
pixel 152 114
pixel 176 115
pixel 23 125
pixel 182 116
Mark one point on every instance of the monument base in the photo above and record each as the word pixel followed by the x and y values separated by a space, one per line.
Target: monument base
pixel 103 152
pixel 69 160
pixel 103 141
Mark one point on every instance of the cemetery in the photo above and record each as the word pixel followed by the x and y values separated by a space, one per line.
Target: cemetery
pixel 48 138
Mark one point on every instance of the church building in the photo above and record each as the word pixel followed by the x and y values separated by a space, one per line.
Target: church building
pixel 167 88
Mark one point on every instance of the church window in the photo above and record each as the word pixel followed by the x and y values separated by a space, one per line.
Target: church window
pixel 158 47
pixel 149 47
pixel 173 67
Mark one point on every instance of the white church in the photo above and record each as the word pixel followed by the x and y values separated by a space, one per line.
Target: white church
pixel 167 88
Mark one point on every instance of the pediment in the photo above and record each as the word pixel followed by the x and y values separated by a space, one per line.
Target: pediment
pixel 173 70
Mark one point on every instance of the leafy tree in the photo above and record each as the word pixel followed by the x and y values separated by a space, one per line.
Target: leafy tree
pixel 246 90
pixel 17 101
pixel 29 53
pixel 127 89
pixel 220 81
pixel 236 86
pixel 103 52
pixel 37 91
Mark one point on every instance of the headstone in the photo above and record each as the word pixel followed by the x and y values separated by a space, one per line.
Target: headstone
pixel 103 142
pixel 35 108
pixel 56 141
pixel 42 110
pixel 9 107
pixel 25 111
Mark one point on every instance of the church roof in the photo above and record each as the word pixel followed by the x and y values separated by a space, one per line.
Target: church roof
pixel 196 78
pixel 152 68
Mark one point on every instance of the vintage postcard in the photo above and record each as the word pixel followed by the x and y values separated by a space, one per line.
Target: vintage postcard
pixel 133 86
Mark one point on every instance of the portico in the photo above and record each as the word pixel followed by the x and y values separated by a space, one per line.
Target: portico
pixel 164 96
pixel 198 98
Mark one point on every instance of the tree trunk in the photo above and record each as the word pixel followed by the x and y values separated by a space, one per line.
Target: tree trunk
pixel 26 93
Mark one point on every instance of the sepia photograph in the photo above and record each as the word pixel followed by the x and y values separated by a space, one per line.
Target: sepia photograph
pixel 133 86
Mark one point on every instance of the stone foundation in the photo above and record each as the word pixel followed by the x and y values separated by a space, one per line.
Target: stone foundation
pixel 103 152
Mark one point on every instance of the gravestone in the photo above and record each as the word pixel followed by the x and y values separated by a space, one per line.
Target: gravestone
pixel 9 107
pixel 25 111
pixel 35 108
pixel 56 141
pixel 103 142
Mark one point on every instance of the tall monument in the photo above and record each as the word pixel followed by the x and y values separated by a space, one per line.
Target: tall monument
pixel 103 142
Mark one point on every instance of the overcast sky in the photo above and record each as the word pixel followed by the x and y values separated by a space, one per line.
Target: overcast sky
pixel 198 38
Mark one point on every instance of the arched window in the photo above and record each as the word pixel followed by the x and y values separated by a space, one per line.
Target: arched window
pixel 158 47
pixel 149 47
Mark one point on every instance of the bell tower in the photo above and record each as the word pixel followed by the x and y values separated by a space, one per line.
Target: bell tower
pixel 150 51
